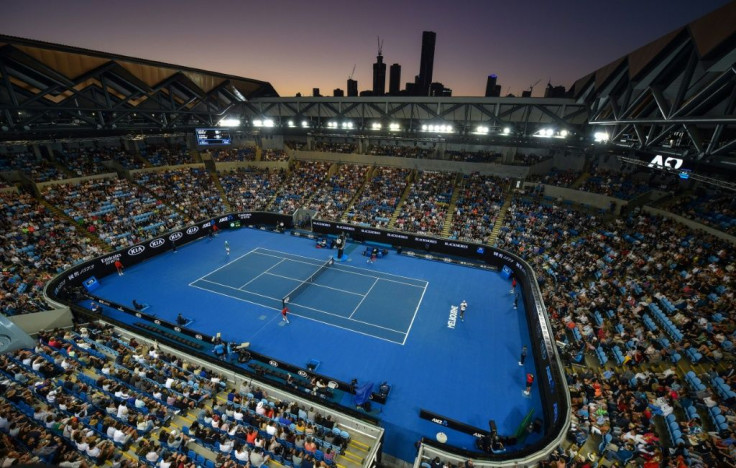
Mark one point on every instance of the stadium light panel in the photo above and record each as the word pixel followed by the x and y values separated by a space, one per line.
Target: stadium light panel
pixel 290 123
pixel 394 127
pixel 230 122
pixel 376 126
pixel 564 133
pixel 601 136
pixel 268 123
pixel 258 123
pixel 305 124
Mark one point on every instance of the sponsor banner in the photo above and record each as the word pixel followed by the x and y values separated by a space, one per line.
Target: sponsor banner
pixel 452 424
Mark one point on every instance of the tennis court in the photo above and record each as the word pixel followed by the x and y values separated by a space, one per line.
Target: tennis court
pixel 361 300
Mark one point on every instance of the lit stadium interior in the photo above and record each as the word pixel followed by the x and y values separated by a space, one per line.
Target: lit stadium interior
pixel 199 271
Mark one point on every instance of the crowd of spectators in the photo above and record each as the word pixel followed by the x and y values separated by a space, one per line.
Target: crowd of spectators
pixel 191 191
pixel 479 201
pixel 83 396
pixel 270 154
pixel 335 147
pixel 604 284
pixel 295 145
pixel 84 162
pixel 251 189
pixel 528 159
pixel 380 196
pixel 557 177
pixel 473 156
pixel 247 153
pixel 303 181
pixel 334 195
pixel 613 184
pixel 426 206
pixel 417 152
pixel 119 212
pixel 35 246
pixel 713 209
pixel 164 155
pixel 36 168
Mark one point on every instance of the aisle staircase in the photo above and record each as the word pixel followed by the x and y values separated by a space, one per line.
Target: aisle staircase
pixel 459 185
pixel 356 196
pixel 583 177
pixel 407 191
pixel 499 220
pixel 80 229
pixel 223 195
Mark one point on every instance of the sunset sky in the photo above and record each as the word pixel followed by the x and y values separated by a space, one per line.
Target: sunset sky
pixel 298 45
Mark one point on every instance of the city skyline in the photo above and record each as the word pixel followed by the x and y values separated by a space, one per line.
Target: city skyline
pixel 298 46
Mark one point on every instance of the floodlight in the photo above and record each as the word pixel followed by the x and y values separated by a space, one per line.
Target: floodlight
pixel 564 133
pixel 506 130
pixel 305 124
pixel 268 123
pixel 230 122
pixel 290 123
pixel 256 123
pixel 424 128
pixel 601 136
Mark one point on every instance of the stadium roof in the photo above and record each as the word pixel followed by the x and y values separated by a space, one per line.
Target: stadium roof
pixel 53 89
pixel 675 95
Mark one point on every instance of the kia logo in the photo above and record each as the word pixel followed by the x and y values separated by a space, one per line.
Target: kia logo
pixel 302 373
pixel 157 243
pixel 176 236
pixel 138 249
pixel 192 230
pixel 273 363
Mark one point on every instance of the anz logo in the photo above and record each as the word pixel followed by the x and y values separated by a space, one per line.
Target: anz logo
pixel 156 243
pixel 176 236
pixel 439 421
pixel 138 249
pixel 192 230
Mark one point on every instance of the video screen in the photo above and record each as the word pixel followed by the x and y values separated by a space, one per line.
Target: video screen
pixel 213 137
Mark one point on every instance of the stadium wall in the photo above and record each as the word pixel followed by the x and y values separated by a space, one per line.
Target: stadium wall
pixel 65 289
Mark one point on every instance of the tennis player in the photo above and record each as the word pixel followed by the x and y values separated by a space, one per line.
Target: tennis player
pixel 227 248
pixel 463 306
pixel 285 311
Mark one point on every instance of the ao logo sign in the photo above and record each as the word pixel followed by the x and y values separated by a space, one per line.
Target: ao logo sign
pixel 156 243
pixel 192 230
pixel 138 249
pixel 176 236
pixel 660 162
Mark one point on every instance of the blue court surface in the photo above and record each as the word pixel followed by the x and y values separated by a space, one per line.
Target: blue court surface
pixel 376 304
pixel 387 321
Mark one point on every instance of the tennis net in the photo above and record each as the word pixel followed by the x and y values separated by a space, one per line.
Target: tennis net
pixel 296 291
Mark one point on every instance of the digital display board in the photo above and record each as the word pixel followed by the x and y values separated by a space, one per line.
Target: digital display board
pixel 213 137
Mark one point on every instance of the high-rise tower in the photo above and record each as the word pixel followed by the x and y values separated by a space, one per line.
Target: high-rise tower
pixel 394 80
pixel 426 64
pixel 379 72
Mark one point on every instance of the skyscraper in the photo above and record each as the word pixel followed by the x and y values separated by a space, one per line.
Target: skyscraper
pixel 426 64
pixel 394 81
pixel 492 89
pixel 352 87
pixel 379 76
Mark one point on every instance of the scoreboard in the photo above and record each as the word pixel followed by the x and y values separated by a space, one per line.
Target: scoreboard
pixel 213 137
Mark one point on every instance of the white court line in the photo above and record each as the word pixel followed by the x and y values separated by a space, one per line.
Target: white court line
pixel 351 330
pixel 263 272
pixel 385 277
pixel 415 315
pixel 346 318
pixel 229 263
pixel 361 301
pixel 242 290
pixel 232 297
pixel 302 316
pixel 315 284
